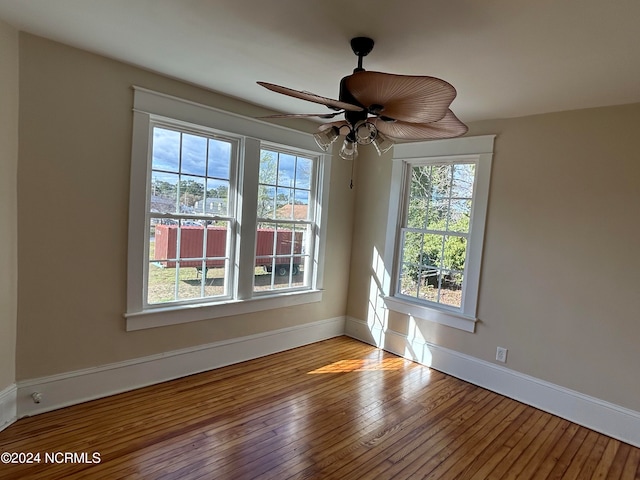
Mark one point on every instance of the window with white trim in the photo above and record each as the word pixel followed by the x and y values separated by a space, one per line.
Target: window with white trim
pixel 224 214
pixel 436 228
pixel 284 237
pixel 191 215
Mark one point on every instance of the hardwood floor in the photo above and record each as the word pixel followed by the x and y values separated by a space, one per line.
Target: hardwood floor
pixel 337 409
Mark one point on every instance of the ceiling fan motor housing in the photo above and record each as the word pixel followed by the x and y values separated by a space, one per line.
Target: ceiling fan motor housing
pixel 345 96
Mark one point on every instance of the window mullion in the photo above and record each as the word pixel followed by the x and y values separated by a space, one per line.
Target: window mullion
pixel 246 236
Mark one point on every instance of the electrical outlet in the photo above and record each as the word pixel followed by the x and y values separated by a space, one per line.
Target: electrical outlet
pixel 501 355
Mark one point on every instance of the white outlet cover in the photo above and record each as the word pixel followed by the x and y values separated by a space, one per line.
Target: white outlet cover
pixel 501 354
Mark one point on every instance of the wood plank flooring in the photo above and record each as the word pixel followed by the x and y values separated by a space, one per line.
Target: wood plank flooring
pixel 337 409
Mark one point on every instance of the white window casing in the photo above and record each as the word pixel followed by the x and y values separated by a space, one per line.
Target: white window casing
pixel 152 108
pixel 477 150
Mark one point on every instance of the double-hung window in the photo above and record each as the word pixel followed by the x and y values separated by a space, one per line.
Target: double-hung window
pixel 285 225
pixel 191 205
pixel 225 214
pixel 436 228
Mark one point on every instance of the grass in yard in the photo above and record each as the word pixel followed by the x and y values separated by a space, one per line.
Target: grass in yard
pixel 170 284
pixel 448 296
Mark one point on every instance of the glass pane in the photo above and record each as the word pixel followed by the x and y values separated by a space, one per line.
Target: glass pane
pixel 189 281
pixel 163 241
pixel 190 237
pixel 194 154
pixel 440 181
pixel 280 257
pixel 459 215
pixel 408 282
pixel 428 289
pixel 451 290
pixel 432 250
pixel 191 276
pixel 429 278
pixel 417 212
pixel 268 167
pixel 191 194
pixel 301 206
pixel 455 252
pixel 217 262
pixel 215 281
pixel 420 182
pixel 152 238
pixel 203 277
pixel 217 245
pixel 217 200
pixel 463 176
pixel 412 247
pixel 265 240
pixel 166 150
pixel 164 192
pixel 304 168
pixel 219 159
pixel 162 253
pixel 266 202
pixel 161 284
pixel 284 203
pixel 285 212
pixel 437 214
pixel 285 244
pixel 286 170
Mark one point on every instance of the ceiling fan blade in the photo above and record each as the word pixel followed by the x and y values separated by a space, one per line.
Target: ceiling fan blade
pixel 304 115
pixel 312 97
pixel 406 98
pixel 339 124
pixel 448 127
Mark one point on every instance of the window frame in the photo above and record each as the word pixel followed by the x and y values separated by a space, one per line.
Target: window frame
pixel 466 149
pixel 310 221
pixel 151 108
pixel 231 217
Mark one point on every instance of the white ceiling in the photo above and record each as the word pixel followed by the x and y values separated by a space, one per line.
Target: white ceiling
pixel 506 58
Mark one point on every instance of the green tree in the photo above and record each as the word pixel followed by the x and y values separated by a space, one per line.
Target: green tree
pixel 430 208
pixel 267 180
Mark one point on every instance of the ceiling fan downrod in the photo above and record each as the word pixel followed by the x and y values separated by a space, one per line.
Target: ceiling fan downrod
pixel 361 46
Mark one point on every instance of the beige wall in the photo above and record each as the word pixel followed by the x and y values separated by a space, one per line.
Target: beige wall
pixel 8 202
pixel 560 284
pixel 73 181
pixel 560 276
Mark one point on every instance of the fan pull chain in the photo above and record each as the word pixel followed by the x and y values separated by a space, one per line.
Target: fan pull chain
pixel 353 164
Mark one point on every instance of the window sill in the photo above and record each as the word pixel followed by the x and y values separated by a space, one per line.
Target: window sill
pixel 451 319
pixel 174 315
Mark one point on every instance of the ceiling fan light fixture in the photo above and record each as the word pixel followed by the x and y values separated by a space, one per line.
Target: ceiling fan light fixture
pixel 325 138
pixel 349 150
pixel 365 132
pixel 382 144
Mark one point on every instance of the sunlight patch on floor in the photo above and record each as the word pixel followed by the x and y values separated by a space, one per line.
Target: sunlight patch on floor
pixel 346 366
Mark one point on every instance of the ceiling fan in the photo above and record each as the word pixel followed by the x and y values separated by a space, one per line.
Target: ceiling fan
pixel 381 108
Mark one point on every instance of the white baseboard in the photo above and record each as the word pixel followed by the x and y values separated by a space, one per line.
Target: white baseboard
pixel 8 409
pixel 604 417
pixel 79 386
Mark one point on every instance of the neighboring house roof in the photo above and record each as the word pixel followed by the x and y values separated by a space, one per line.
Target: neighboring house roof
pixel 161 204
pixel 299 212
pixel 212 205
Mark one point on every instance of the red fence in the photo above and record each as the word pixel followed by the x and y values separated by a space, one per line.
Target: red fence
pixel 191 243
